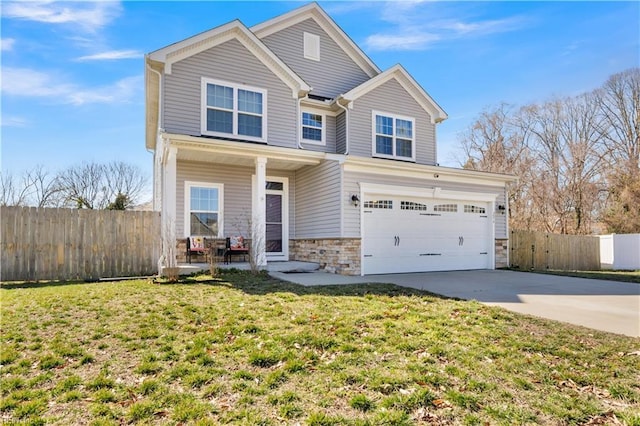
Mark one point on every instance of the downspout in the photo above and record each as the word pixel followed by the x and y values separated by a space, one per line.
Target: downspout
pixel 157 175
pixel 159 94
pixel 299 122
pixel 346 124
pixel 167 231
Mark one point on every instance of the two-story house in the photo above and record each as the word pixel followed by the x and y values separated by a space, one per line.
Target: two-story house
pixel 288 133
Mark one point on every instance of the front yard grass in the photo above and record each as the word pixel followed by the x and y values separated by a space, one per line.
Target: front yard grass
pixel 244 349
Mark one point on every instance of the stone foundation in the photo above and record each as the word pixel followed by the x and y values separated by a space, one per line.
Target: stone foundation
pixel 336 255
pixel 502 253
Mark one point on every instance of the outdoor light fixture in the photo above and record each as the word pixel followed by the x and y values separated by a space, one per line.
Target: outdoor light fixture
pixel 355 200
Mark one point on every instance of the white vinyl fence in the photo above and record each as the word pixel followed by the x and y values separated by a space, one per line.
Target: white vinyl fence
pixel 620 251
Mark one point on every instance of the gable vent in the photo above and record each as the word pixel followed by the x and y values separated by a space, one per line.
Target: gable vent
pixel 312 46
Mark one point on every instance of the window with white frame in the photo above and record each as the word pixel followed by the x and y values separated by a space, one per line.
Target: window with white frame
pixel 313 130
pixel 393 136
pixel 203 209
pixel 233 110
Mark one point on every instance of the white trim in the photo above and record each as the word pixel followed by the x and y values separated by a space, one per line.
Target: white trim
pixel 233 30
pixel 204 82
pixel 419 192
pixel 187 205
pixel 284 255
pixel 424 172
pixel 394 137
pixel 311 46
pixel 398 73
pixel 323 129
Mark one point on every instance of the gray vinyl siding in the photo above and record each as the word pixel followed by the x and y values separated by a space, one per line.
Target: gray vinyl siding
pixel 330 137
pixel 501 218
pixel 341 142
pixel 237 194
pixel 317 208
pixel 230 62
pixel 352 185
pixel 391 98
pixel 333 74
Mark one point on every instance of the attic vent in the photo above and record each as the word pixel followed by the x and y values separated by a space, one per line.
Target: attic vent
pixel 312 46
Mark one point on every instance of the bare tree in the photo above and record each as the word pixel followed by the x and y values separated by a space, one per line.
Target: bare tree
pixel 115 185
pixel 45 189
pixel 124 182
pixel 36 187
pixel 10 193
pixel 84 186
pixel 100 186
pixel 619 101
pixel 498 142
pixel 554 150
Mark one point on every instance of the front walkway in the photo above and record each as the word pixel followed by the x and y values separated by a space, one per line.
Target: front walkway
pixel 610 306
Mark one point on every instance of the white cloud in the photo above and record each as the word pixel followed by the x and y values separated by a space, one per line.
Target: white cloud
pixel 6 44
pixel 418 26
pixel 482 27
pixel 13 121
pixel 30 83
pixel 120 92
pixel 88 15
pixel 417 41
pixel 112 55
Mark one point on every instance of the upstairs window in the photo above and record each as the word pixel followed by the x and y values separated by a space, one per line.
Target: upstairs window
pixel 393 136
pixel 313 128
pixel 230 110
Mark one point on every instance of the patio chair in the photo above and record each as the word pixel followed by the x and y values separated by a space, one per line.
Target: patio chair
pixel 236 246
pixel 196 245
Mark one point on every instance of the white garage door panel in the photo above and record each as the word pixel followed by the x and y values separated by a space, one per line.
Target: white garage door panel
pixel 412 235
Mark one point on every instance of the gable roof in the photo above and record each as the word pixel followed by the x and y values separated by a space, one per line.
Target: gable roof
pixel 163 59
pixel 315 12
pixel 233 30
pixel 398 73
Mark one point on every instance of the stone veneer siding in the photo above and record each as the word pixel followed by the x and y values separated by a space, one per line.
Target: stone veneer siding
pixel 502 253
pixel 336 255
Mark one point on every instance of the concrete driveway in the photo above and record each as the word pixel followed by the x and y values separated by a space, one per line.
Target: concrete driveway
pixel 602 305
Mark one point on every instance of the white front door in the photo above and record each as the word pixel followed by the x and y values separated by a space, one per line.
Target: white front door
pixel 277 218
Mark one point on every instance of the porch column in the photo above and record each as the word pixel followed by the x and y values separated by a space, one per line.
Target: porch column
pixel 169 177
pixel 259 215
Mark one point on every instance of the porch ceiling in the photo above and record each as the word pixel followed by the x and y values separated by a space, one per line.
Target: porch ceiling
pixel 243 154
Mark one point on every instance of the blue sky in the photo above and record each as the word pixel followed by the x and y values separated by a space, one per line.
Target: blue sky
pixel 72 72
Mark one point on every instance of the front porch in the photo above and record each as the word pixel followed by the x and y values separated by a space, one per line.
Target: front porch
pixel 284 267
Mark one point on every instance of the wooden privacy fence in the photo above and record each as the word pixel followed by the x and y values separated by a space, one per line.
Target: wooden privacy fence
pixel 542 251
pixel 70 244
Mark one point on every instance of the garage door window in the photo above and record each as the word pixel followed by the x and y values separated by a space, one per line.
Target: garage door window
pixel 451 208
pixel 474 209
pixel 378 204
pixel 410 205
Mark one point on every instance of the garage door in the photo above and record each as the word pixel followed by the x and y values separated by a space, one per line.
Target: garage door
pixel 403 234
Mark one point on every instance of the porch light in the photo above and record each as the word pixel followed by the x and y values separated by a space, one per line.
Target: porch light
pixel 355 200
